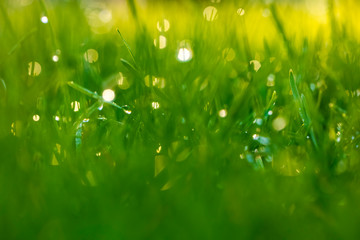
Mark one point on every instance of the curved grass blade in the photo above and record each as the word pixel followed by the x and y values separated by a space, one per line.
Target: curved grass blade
pixel 303 108
pixel 127 46
pixel 95 96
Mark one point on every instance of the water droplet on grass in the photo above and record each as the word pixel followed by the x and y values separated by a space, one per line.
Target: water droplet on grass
pixel 256 64
pixel 75 106
pixel 163 26
pixel 36 117
pixel 155 105
pixel 91 56
pixel 270 80
pixel 210 13
pixel 184 55
pixel 223 113
pixel 55 58
pixel 241 12
pixel 44 19
pixel 228 54
pixel 34 69
pixel 108 95
pixel 279 123
pixel 160 42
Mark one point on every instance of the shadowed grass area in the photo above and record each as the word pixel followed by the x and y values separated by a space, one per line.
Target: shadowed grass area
pixel 220 119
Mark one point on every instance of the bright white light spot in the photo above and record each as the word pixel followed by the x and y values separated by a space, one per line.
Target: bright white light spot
pixel 101 107
pixel 255 137
pixel 160 42
pixel 256 64
pixel 34 69
pixel 240 12
pixel 57 118
pixel 108 95
pixel 75 106
pixel 279 123
pixel 44 19
pixel 55 58
pixel 127 111
pixel 270 112
pixel 36 117
pixel 163 26
pixel 158 150
pixel 105 16
pixel 155 105
pixel 270 80
pixel 223 113
pixel 210 13
pixel 98 154
pixel 184 55
pixel 91 55
pixel 228 54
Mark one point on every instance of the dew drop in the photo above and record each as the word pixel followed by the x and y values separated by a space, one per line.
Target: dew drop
pixel 279 123
pixel 108 95
pixel 44 19
pixel 155 105
pixel 241 12
pixel 210 13
pixel 36 118
pixel 91 56
pixel 34 69
pixel 163 26
pixel 223 113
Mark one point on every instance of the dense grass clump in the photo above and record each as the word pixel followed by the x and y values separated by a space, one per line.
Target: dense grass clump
pixel 179 119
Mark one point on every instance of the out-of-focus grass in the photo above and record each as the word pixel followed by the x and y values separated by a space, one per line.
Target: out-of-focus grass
pixel 256 136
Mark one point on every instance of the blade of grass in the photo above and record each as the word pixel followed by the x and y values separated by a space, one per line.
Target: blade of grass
pixel 95 95
pixel 300 102
pixel 127 47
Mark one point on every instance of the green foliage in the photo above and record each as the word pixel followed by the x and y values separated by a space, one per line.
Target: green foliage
pixel 244 126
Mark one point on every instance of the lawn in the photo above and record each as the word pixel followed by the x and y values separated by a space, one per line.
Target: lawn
pixel 179 119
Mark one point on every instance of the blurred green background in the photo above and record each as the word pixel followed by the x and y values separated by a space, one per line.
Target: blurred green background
pixel 179 119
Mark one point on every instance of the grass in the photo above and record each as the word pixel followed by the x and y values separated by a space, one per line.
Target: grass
pixel 256 136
